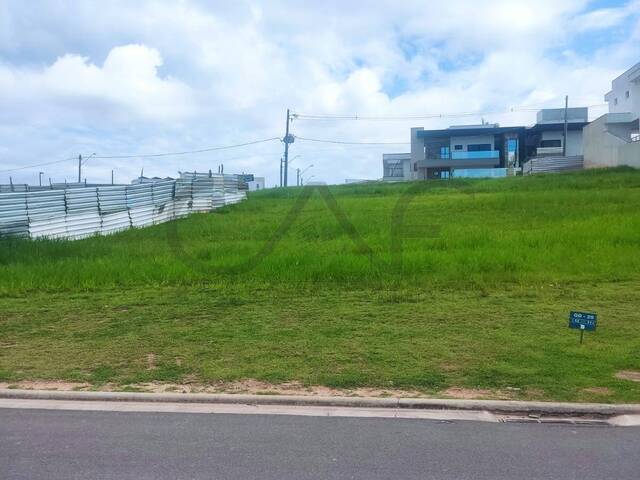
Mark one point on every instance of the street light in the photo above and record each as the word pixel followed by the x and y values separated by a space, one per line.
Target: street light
pixel 298 182
pixel 286 174
pixel 301 182
pixel 82 161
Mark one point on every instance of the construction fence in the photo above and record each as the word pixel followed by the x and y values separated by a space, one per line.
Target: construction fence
pixel 553 164
pixel 78 212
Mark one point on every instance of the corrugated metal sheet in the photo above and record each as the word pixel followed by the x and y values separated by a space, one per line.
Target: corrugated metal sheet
pixel 163 213
pixel 112 199
pixel 82 200
pixel 115 222
pixel 14 220
pixel 83 224
pixel 80 211
pixel 140 195
pixel 552 164
pixel 231 183
pixel 202 194
pixel 163 192
pixel 16 187
pixel 46 211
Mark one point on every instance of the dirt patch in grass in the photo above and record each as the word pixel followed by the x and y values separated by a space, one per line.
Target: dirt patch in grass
pixel 598 390
pixel 151 361
pixel 632 375
pixel 249 386
pixel 256 387
pixel 478 393
pixel 46 385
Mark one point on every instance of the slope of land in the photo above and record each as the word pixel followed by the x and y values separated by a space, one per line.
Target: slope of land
pixel 427 287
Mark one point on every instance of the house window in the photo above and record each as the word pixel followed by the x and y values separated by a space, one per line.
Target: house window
pixel 393 169
pixel 458 147
pixel 445 152
pixel 626 94
pixel 615 101
pixel 479 147
pixel 415 167
pixel 550 143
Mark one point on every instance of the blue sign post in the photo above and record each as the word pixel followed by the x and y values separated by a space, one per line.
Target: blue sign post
pixel 583 321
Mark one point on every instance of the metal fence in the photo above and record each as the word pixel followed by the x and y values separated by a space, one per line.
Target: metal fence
pixel 552 164
pixel 75 212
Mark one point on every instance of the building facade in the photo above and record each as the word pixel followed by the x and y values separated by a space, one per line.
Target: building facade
pixel 624 96
pixel 614 138
pixel 396 167
pixel 437 154
pixel 487 149
pixel 256 184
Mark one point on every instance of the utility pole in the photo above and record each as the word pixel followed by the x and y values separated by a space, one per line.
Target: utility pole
pixel 566 125
pixel 79 168
pixel 287 140
pixel 40 178
pixel 111 177
pixel 297 177
pixel 281 161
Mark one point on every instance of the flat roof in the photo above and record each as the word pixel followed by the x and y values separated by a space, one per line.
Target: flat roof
pixel 630 70
pixel 472 130
pixel 540 127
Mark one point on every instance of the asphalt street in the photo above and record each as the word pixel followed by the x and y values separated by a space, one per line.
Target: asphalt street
pixel 52 444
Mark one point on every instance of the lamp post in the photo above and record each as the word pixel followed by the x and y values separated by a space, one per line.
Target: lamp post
pixel 80 162
pixel 302 183
pixel 289 163
pixel 300 173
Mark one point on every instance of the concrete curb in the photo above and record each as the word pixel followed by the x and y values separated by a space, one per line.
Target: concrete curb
pixel 550 409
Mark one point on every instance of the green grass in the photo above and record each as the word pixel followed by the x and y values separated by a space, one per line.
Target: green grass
pixel 471 289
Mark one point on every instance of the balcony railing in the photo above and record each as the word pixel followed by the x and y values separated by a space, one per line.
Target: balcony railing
pixel 540 151
pixel 480 155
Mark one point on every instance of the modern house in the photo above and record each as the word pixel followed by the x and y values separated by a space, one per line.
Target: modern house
pixel 487 149
pixel 614 138
pixel 624 96
pixel 546 137
pixel 436 154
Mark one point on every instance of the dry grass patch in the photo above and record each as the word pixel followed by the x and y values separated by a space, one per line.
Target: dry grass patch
pixel 628 375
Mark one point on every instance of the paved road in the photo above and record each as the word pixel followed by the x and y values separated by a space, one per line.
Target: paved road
pixel 49 444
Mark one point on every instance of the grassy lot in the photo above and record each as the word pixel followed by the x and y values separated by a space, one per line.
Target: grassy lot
pixel 471 288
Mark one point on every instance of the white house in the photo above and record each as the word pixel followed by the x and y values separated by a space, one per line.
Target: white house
pixel 614 138
pixel 624 96
pixel 256 184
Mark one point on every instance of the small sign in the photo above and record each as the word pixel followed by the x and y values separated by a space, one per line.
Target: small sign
pixel 247 177
pixel 583 321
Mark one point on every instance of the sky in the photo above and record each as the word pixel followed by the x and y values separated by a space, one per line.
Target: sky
pixel 115 78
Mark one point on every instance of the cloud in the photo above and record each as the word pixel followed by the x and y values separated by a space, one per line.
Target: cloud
pixel 604 18
pixel 126 88
pixel 150 76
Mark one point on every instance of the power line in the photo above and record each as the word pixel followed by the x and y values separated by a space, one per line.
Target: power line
pixel 304 116
pixel 147 155
pixel 38 165
pixel 202 150
pixel 350 143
